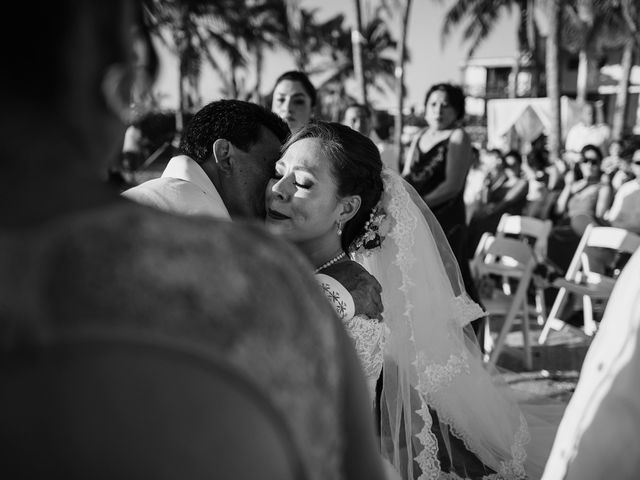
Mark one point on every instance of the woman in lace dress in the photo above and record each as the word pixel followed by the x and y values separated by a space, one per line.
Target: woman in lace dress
pixel 439 412
pixel 76 256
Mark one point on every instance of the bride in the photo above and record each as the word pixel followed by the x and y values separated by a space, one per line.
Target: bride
pixel 385 264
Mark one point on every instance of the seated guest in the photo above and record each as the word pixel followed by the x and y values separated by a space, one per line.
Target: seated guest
pixel 611 162
pixel 539 197
pixel 360 118
pixel 381 135
pixel 507 193
pixel 589 131
pixel 625 211
pixel 474 187
pixel 581 202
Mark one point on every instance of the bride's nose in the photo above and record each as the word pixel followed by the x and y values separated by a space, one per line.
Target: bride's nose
pixel 282 187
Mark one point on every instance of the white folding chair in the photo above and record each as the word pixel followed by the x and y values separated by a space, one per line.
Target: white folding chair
pixel 534 230
pixel 581 280
pixel 510 259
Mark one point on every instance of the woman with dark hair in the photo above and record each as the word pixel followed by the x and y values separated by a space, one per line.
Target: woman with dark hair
pixel 506 192
pixel 437 165
pixel 583 200
pixel 386 267
pixel 293 99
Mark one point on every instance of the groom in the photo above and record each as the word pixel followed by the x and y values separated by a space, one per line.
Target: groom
pixel 227 156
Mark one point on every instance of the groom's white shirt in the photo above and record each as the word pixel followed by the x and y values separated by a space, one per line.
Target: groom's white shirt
pixel 183 188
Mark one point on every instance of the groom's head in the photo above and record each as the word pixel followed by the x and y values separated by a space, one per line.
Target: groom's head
pixel 237 144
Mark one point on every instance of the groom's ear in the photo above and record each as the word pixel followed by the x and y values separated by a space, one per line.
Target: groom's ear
pixel 222 154
pixel 350 206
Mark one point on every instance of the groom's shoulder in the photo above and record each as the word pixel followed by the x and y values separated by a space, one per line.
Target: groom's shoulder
pixel 169 194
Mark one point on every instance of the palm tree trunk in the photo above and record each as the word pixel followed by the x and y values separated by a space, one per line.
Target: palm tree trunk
pixel 532 40
pixel 356 42
pixel 181 47
pixel 513 80
pixel 553 77
pixel 259 67
pixel 402 52
pixel 583 76
pixel 622 97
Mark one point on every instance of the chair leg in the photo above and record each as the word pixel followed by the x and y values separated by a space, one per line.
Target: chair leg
pixel 552 320
pixel 526 336
pixel 487 341
pixel 516 304
pixel 506 286
pixel 541 308
pixel 587 309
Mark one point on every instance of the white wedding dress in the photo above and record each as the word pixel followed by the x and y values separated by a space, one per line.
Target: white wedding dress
pixel 443 414
pixel 366 333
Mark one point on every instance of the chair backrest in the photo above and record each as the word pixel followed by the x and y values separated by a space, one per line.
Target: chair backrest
pixel 619 245
pixel 128 408
pixel 613 238
pixel 529 227
pixel 503 253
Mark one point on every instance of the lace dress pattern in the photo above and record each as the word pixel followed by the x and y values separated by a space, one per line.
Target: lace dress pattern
pixel 447 374
pixel 367 333
pixel 131 267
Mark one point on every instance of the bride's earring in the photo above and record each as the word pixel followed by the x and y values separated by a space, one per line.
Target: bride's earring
pixel 339 231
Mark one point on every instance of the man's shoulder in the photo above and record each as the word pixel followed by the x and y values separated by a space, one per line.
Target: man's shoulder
pixel 171 194
pixel 155 186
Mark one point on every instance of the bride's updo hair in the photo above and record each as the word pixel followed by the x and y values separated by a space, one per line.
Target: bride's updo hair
pixel 356 167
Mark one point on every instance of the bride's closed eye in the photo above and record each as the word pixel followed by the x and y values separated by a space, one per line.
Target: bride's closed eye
pixel 300 183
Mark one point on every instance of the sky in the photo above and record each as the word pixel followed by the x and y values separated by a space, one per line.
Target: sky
pixel 431 62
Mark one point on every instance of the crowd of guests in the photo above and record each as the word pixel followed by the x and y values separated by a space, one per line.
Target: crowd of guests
pixel 289 299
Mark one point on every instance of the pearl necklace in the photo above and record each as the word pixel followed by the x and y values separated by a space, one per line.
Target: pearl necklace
pixel 330 262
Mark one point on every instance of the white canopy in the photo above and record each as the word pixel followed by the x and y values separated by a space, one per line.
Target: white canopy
pixel 514 121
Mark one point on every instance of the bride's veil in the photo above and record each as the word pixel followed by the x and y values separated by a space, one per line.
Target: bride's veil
pixel 436 392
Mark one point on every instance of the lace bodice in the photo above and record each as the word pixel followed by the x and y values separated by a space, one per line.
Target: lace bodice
pixel 367 333
pixel 127 265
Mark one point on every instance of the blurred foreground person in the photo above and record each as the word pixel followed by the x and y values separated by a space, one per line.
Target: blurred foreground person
pixel 598 435
pixel 96 290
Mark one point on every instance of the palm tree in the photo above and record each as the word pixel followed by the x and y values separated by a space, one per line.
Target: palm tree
pixel 589 38
pixel 551 10
pixel 308 37
pixel 630 12
pixel 479 17
pixel 404 7
pixel 378 51
pixel 254 26
pixel 189 28
pixel 356 40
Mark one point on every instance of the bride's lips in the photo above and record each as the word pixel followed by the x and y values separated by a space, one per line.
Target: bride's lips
pixel 276 215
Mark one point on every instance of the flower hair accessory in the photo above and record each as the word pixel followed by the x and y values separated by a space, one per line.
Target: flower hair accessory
pixel 375 230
